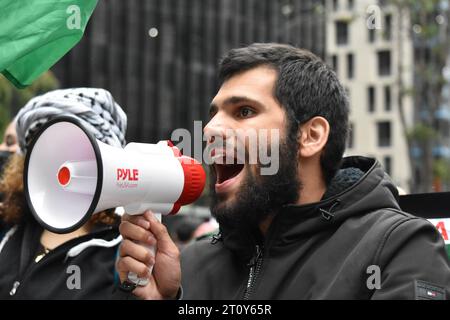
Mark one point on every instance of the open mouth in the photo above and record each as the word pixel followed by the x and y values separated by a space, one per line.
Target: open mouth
pixel 225 172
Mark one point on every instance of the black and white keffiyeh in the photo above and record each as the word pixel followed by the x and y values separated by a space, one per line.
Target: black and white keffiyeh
pixel 94 108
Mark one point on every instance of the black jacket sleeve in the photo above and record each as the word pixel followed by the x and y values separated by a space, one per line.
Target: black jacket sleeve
pixel 413 262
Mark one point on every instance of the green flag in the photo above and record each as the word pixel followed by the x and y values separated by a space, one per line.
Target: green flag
pixel 35 34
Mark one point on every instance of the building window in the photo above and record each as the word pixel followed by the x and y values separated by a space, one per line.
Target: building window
pixel 371 98
pixel 384 134
pixel 334 62
pixel 351 136
pixel 387 34
pixel 341 32
pixel 444 128
pixel 387 98
pixel 350 67
pixel 384 63
pixel 388 165
pixel 335 5
pixel 372 35
pixel 351 4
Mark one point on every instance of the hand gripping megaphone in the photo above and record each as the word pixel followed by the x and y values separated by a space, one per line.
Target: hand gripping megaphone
pixel 69 175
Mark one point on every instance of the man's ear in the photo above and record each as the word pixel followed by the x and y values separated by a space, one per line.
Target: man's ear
pixel 313 136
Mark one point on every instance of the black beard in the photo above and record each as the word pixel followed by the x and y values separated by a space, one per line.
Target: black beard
pixel 259 196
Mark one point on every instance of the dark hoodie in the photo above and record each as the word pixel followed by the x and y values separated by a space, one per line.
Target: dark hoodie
pixel 354 244
pixel 91 257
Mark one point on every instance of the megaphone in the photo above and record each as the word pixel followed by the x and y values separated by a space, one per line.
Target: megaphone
pixel 69 175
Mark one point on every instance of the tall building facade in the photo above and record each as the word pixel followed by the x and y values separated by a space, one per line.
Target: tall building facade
pixel 431 145
pixel 366 47
pixel 159 57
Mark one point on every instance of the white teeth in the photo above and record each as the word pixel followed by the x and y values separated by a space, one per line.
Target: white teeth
pixel 219 159
pixel 224 158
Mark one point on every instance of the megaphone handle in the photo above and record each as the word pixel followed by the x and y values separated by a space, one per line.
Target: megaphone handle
pixel 133 277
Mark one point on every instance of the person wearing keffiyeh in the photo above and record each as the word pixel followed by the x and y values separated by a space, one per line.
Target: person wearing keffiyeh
pixel 94 108
pixel 35 263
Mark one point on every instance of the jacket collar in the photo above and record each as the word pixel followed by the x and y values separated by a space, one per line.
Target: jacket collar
pixel 365 192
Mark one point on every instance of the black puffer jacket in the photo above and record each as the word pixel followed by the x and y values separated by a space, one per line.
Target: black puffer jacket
pixel 355 244
pixel 82 268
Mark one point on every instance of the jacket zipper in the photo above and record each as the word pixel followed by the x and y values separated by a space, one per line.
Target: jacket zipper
pixel 255 268
pixel 17 283
pixel 14 288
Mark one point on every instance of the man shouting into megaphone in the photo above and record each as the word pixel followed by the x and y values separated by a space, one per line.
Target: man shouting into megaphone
pixel 321 227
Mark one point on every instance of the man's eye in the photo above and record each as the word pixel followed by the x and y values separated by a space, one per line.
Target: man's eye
pixel 245 112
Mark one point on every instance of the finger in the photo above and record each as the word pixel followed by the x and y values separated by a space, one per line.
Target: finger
pixel 148 292
pixel 136 251
pixel 134 232
pixel 159 231
pixel 127 264
pixel 137 220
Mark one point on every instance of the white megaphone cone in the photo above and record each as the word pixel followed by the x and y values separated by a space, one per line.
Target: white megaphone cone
pixel 69 175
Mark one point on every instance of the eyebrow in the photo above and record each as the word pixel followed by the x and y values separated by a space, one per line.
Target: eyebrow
pixel 234 100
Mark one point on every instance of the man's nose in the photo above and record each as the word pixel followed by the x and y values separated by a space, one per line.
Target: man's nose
pixel 215 128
